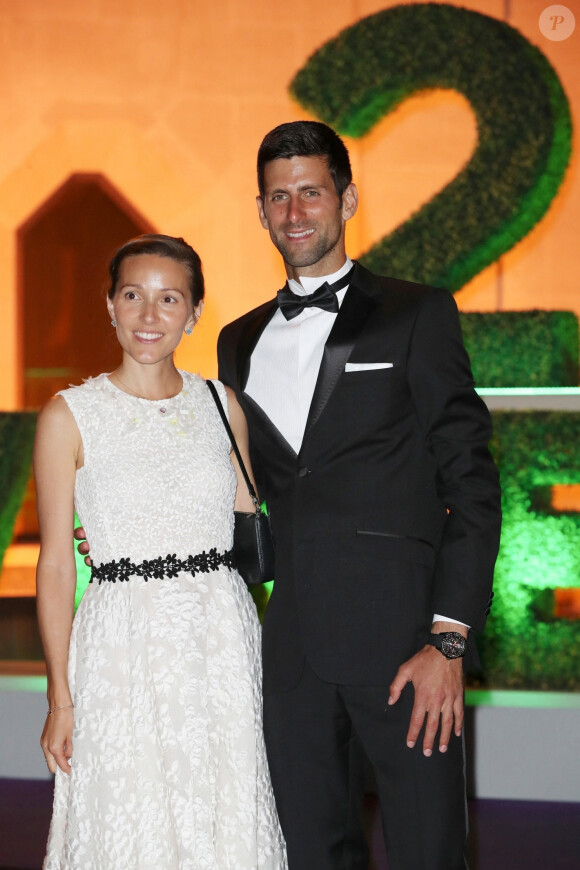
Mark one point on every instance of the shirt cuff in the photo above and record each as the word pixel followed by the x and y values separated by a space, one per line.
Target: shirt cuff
pixel 438 618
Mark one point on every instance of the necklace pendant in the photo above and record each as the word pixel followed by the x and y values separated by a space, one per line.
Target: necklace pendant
pixel 162 410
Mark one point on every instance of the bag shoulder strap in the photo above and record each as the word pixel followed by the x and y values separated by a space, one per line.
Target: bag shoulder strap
pixel 222 413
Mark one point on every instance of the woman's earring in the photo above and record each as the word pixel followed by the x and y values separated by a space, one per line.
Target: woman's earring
pixel 188 330
pixel 113 322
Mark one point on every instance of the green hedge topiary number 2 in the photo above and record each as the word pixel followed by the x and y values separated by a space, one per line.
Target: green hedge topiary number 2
pixel 523 119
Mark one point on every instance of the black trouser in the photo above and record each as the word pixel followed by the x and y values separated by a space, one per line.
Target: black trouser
pixel 311 734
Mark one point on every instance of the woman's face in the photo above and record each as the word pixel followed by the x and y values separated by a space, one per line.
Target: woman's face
pixel 152 306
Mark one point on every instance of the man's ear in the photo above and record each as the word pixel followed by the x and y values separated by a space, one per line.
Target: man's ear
pixel 349 201
pixel 261 212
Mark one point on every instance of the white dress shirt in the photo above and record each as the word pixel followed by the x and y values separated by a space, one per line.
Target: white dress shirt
pixel 286 360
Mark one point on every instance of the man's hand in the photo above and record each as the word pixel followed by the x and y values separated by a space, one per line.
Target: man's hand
pixel 83 547
pixel 438 684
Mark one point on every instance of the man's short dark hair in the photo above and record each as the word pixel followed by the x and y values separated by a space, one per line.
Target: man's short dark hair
pixel 306 139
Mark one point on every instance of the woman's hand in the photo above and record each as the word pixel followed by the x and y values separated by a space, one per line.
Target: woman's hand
pixel 56 740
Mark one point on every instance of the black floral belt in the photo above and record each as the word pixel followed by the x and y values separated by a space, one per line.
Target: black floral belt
pixel 170 566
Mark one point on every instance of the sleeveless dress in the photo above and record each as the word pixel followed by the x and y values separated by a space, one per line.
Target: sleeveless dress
pixel 169 767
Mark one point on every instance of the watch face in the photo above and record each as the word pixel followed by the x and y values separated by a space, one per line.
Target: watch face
pixel 453 644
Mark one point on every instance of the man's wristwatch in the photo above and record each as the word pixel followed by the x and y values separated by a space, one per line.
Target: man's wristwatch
pixel 450 643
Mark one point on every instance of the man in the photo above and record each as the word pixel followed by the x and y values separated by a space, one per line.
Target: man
pixel 369 445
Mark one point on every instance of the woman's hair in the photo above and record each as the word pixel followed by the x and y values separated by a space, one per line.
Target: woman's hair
pixel 162 246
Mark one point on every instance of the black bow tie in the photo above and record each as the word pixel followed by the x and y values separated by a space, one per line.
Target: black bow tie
pixel 291 305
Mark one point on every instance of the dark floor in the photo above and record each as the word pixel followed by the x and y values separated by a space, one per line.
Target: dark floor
pixel 508 835
pixel 505 835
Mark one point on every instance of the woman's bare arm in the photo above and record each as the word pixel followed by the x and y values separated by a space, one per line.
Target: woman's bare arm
pixel 57 455
pixel 239 426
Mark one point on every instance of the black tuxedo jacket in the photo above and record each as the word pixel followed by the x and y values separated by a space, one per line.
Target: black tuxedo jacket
pixel 391 510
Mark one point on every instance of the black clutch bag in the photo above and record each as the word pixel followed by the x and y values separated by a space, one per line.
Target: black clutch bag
pixel 253 548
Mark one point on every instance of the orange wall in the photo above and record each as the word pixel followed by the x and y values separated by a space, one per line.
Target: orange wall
pixel 170 99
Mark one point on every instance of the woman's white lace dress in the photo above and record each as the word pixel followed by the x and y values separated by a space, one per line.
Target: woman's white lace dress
pixel 169 768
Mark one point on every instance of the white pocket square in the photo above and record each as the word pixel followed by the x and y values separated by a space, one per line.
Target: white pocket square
pixel 366 367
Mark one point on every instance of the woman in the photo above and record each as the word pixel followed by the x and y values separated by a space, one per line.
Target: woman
pixel 154 690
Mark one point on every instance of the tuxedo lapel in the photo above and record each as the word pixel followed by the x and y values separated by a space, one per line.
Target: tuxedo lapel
pixel 249 339
pixel 354 311
pixel 264 423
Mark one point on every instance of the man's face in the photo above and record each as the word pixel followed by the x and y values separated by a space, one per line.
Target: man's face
pixel 304 215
